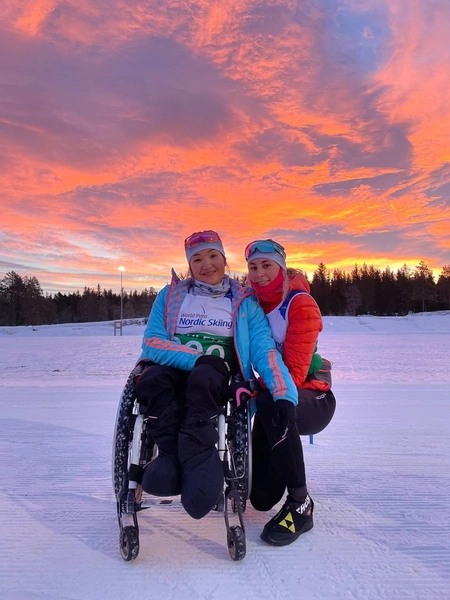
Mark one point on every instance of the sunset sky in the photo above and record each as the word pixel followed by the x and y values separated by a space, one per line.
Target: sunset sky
pixel 126 125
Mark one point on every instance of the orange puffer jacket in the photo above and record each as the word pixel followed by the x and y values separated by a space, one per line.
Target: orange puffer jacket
pixel 304 325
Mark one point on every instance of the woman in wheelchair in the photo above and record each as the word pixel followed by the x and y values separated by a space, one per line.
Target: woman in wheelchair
pixel 201 331
pixel 295 321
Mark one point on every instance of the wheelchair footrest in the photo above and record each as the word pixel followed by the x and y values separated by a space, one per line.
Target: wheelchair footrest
pixel 152 501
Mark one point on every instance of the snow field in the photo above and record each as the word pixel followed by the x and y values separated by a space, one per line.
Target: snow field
pixel 379 474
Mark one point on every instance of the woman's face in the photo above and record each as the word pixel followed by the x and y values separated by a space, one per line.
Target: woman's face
pixel 208 266
pixel 262 270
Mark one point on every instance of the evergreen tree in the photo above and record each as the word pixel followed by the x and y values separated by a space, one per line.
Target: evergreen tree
pixel 386 291
pixel 424 288
pixel 32 302
pixel 321 288
pixel 354 298
pixel 443 286
pixel 12 291
pixel 338 286
pixel 368 278
pixel 404 300
pixel 87 308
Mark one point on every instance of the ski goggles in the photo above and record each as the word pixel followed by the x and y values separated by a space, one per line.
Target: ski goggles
pixel 265 247
pixel 202 237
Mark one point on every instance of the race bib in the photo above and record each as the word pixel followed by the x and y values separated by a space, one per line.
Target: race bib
pixel 206 324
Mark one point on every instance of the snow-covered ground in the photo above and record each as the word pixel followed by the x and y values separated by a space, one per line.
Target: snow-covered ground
pixel 379 474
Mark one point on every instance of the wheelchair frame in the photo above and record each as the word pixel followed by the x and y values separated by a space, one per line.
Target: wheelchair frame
pixel 131 452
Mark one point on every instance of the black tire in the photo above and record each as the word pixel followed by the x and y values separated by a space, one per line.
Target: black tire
pixel 236 543
pixel 123 436
pixel 239 444
pixel 129 543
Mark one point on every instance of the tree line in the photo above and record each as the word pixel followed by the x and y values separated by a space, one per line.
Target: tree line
pixel 365 290
pixel 370 291
pixel 22 302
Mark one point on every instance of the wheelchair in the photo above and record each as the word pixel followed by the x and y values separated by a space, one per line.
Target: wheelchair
pixel 133 448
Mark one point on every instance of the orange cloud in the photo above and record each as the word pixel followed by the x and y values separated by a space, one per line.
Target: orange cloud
pixel 416 79
pixel 33 14
pixel 125 128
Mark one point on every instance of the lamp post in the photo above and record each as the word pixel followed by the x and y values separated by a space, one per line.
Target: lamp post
pixel 121 269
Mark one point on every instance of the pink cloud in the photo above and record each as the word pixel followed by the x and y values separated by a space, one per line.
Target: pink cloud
pixel 124 127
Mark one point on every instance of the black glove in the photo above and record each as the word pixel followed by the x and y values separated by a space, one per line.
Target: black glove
pixel 284 415
pixel 216 362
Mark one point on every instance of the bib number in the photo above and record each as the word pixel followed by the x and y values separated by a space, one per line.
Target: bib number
pixel 196 345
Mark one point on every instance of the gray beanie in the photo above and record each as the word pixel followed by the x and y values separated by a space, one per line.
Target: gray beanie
pixel 266 249
pixel 215 243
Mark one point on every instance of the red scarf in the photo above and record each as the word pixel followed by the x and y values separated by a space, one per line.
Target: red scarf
pixel 270 295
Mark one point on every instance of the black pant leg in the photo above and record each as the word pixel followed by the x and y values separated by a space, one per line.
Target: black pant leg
pixel 202 469
pixel 198 433
pixel 161 389
pixel 206 388
pixel 268 485
pixel 287 456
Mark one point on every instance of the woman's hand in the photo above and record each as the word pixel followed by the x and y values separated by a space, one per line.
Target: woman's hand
pixel 284 415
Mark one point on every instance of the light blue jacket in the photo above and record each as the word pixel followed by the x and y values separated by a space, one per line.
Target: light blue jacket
pixel 253 342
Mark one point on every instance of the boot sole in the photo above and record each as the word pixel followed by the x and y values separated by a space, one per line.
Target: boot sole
pixel 272 541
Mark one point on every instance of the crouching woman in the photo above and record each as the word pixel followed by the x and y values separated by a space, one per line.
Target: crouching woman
pixel 278 463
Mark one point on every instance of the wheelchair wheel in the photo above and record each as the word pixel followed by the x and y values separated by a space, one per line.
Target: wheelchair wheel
pixel 240 453
pixel 123 437
pixel 236 543
pixel 127 420
pixel 129 543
